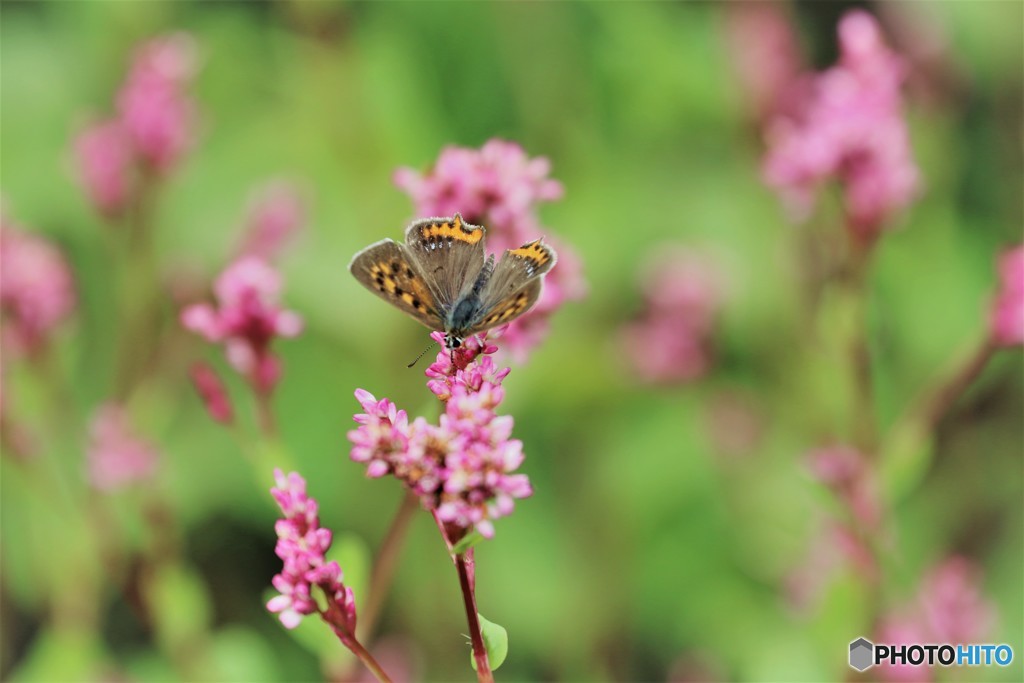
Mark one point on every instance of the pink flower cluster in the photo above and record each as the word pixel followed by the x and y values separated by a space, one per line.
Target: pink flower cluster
pixel 36 289
pixel 215 397
pixel 276 213
pixel 845 471
pixel 500 187
pixel 1006 321
pixel 301 545
pixel 766 56
pixel 462 468
pixel 117 456
pixel 154 125
pixel 246 320
pixel 848 127
pixel 949 608
pixel 670 341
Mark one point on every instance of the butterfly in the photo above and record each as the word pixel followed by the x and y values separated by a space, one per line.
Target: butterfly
pixel 443 277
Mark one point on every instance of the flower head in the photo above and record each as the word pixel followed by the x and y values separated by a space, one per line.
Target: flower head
pixel 276 213
pixel 117 456
pixel 500 187
pixel 301 545
pixel 463 468
pixel 1006 320
pixel 844 470
pixel 247 318
pixel 104 157
pixel 153 105
pixel 849 128
pixel 36 289
pixel 765 52
pixel 670 341
pixel 948 608
pixel 215 397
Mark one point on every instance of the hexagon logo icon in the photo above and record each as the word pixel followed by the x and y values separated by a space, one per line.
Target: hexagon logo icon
pixel 861 651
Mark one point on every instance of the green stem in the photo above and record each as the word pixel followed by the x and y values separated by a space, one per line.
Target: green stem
pixel 942 398
pixel 139 297
pixel 865 425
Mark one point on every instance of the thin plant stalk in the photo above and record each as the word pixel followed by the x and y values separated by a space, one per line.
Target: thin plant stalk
pixel 464 566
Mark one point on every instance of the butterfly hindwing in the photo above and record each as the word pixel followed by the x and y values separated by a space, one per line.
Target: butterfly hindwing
pixel 388 270
pixel 450 254
pixel 506 310
pixel 515 284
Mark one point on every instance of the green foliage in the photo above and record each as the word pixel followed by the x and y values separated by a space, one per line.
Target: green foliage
pixel 663 529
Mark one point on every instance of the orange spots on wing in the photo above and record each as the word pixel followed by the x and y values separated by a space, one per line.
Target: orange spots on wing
pixel 456 229
pixel 534 251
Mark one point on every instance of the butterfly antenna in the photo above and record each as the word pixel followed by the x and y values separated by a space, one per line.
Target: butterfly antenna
pixel 422 353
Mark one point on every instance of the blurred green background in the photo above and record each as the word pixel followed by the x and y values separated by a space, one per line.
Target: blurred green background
pixel 650 545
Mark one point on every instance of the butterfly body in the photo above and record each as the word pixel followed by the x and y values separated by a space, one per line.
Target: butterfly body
pixel 442 277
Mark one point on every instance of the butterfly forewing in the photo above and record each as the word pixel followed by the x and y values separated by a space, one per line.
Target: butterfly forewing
pixel 450 254
pixel 388 270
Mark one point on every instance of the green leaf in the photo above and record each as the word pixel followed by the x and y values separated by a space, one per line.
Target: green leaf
pixel 467 542
pixel 180 603
pixel 495 642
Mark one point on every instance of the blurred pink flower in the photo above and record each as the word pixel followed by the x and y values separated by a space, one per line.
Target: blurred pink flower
pixel 246 320
pixel 949 608
pixel 670 341
pixel 500 187
pixel 766 55
pixel 117 456
pixel 276 213
pixel 952 606
pixel 901 629
pixel 153 106
pixel 215 396
pixel 849 128
pixel 302 544
pixel 1006 321
pixel 845 471
pixel 105 169
pixel 497 186
pixel 462 469
pixel 36 289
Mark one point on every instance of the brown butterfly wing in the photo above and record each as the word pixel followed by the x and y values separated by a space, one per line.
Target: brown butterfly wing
pixel 387 269
pixel 515 285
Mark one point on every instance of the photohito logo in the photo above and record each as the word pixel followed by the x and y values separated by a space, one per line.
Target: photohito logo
pixel 864 654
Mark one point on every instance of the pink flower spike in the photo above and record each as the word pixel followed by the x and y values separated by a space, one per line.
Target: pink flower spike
pixel 37 291
pixel 246 320
pixel 463 468
pixel 215 397
pixel 104 157
pixel 154 108
pixel 1006 321
pixel 670 341
pixel 301 545
pixel 276 214
pixel 849 128
pixel 116 456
